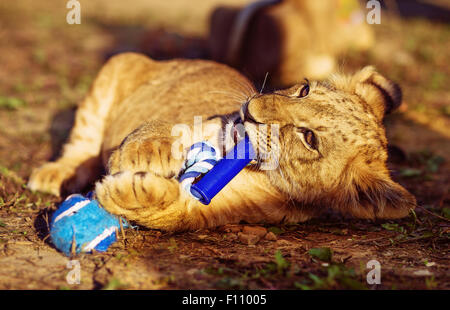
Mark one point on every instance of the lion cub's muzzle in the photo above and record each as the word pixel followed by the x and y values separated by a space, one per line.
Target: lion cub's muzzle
pixel 246 116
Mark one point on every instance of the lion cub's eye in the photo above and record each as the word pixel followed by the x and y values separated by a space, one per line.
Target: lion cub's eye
pixel 310 138
pixel 302 92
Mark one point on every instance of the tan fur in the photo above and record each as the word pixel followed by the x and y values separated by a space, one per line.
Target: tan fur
pixel 126 122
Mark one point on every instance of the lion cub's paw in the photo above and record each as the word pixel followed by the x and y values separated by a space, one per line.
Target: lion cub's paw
pixel 50 177
pixel 143 197
pixel 147 155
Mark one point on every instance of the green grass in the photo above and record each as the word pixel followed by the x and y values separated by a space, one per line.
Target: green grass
pixel 323 254
pixel 114 284
pixel 281 263
pixel 337 275
pixel 11 103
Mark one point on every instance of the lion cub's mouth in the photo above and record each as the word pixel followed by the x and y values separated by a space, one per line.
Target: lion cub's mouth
pixel 260 138
pixel 238 132
pixel 245 114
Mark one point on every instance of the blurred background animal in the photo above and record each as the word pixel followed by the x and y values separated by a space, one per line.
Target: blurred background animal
pixel 288 39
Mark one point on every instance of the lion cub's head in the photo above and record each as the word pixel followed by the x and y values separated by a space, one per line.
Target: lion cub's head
pixel 332 145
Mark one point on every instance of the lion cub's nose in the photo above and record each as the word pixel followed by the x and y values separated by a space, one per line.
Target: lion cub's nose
pixel 260 109
pixel 247 116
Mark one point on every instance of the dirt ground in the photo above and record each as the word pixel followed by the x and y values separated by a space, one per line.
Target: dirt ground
pixel 47 67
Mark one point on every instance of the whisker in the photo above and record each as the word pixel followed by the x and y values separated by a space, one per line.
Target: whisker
pixel 248 88
pixel 264 83
pixel 238 98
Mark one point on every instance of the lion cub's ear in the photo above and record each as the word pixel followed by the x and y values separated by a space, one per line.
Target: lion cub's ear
pixel 380 93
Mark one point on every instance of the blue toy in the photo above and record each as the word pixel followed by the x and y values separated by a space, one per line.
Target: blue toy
pixel 80 225
pixel 202 158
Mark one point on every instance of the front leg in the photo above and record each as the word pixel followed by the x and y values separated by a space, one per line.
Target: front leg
pixel 158 202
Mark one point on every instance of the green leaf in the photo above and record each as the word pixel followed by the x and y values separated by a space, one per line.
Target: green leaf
pixel 302 286
pixel 427 234
pixel 276 230
pixel 11 103
pixel 414 216
pixel 333 272
pixel 318 282
pixel 434 163
pixel 324 254
pixel 393 227
pixel 410 172
pixel 280 261
pixel 353 284
pixel 229 283
pixel 446 213
pixel 113 284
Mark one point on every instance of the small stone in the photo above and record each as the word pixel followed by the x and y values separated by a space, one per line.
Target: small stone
pixel 422 273
pixel 255 230
pixel 283 243
pixel 191 271
pixel 232 236
pixel 231 228
pixel 248 239
pixel 270 236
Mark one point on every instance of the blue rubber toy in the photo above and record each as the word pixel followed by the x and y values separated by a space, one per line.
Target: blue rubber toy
pixel 80 224
pixel 215 175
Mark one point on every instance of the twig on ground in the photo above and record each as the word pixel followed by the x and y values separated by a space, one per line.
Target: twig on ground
pixel 434 214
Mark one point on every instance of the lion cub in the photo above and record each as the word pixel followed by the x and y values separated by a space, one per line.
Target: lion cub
pixel 332 145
